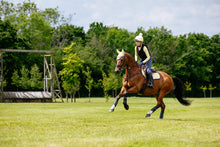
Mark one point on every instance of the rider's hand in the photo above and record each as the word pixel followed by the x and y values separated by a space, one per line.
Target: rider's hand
pixel 140 63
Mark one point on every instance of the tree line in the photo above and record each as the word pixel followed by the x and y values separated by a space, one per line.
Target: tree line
pixel 85 61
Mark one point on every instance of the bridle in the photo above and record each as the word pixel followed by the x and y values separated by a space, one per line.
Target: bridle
pixel 128 67
pixel 117 65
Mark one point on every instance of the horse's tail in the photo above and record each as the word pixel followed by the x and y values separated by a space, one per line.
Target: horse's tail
pixel 179 91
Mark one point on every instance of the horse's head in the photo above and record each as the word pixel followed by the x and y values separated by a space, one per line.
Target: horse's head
pixel 120 61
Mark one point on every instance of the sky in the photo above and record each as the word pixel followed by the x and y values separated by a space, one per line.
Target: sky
pixel 179 16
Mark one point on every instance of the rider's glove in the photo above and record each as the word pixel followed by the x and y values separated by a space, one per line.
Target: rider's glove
pixel 140 63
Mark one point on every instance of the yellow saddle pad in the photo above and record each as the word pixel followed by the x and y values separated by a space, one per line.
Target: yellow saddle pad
pixel 156 75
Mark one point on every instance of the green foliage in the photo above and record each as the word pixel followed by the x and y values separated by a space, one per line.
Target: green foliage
pixel 192 57
pixel 65 34
pixel 188 86
pixel 8 35
pixel 72 67
pixel 111 82
pixel 51 15
pixel 204 88
pixel 89 79
pixel 28 79
pixel 120 39
pixel 15 79
pixel 36 78
pixel 6 9
pixel 211 87
pixel 106 83
pixel 97 30
pixel 24 80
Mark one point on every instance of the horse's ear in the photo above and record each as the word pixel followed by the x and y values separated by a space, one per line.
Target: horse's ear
pixel 118 51
pixel 123 52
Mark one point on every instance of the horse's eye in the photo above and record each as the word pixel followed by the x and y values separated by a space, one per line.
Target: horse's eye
pixel 121 60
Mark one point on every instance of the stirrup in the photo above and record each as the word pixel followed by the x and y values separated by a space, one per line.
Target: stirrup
pixel 150 85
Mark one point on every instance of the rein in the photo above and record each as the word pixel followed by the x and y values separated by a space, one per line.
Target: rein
pixel 129 67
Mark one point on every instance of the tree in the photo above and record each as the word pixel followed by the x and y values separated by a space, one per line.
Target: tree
pixel 24 80
pixel 188 86
pixel 214 60
pixel 28 79
pixel 192 57
pixel 35 29
pixel 97 30
pixel 72 68
pixel 6 9
pixel 115 82
pixel 106 85
pixel 36 81
pixel 204 88
pixel 65 34
pixel 89 80
pixel 34 25
pixel 119 39
pixel 51 15
pixel 8 35
pixel 194 63
pixel 15 79
pixel 211 88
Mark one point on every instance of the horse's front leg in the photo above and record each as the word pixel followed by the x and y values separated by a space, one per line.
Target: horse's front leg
pixel 133 89
pixel 125 102
pixel 123 91
pixel 115 103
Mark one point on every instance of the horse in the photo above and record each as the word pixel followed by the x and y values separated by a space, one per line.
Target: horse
pixel 133 83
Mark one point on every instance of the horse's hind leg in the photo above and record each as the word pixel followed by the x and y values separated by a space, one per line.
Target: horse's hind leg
pixel 162 110
pixel 151 111
pixel 154 108
pixel 160 103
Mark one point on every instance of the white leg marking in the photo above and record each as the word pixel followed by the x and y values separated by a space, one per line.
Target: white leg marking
pixel 150 112
pixel 113 107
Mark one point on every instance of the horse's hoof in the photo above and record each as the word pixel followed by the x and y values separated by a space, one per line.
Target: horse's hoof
pixel 147 115
pixel 126 107
pixel 111 110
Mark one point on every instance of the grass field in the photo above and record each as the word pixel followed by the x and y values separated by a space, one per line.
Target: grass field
pixel 90 124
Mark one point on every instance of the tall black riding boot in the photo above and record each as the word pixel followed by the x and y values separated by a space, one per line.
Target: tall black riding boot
pixel 150 80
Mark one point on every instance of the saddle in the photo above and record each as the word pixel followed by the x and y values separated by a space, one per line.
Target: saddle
pixel 155 74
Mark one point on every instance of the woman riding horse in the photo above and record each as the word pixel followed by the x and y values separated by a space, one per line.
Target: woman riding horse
pixel 133 82
pixel 145 56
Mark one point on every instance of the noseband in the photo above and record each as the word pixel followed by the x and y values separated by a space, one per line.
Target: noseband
pixel 117 65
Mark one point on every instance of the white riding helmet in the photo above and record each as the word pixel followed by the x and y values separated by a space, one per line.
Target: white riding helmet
pixel 139 37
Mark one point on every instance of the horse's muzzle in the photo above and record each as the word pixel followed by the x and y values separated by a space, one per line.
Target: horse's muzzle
pixel 117 71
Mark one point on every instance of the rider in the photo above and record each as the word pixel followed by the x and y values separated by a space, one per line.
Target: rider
pixel 145 56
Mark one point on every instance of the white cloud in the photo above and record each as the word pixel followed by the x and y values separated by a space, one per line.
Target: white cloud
pixel 179 16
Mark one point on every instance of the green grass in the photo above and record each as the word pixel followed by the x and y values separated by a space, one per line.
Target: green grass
pixel 90 124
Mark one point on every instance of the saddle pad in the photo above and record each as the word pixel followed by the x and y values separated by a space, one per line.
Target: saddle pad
pixel 156 75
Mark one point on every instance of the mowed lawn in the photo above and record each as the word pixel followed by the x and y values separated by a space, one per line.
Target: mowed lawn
pixel 90 124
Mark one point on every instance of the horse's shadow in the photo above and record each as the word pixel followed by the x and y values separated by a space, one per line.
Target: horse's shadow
pixel 171 119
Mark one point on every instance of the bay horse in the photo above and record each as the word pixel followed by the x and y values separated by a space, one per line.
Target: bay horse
pixel 133 82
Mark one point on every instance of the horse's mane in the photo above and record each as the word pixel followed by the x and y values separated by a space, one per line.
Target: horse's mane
pixel 129 56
